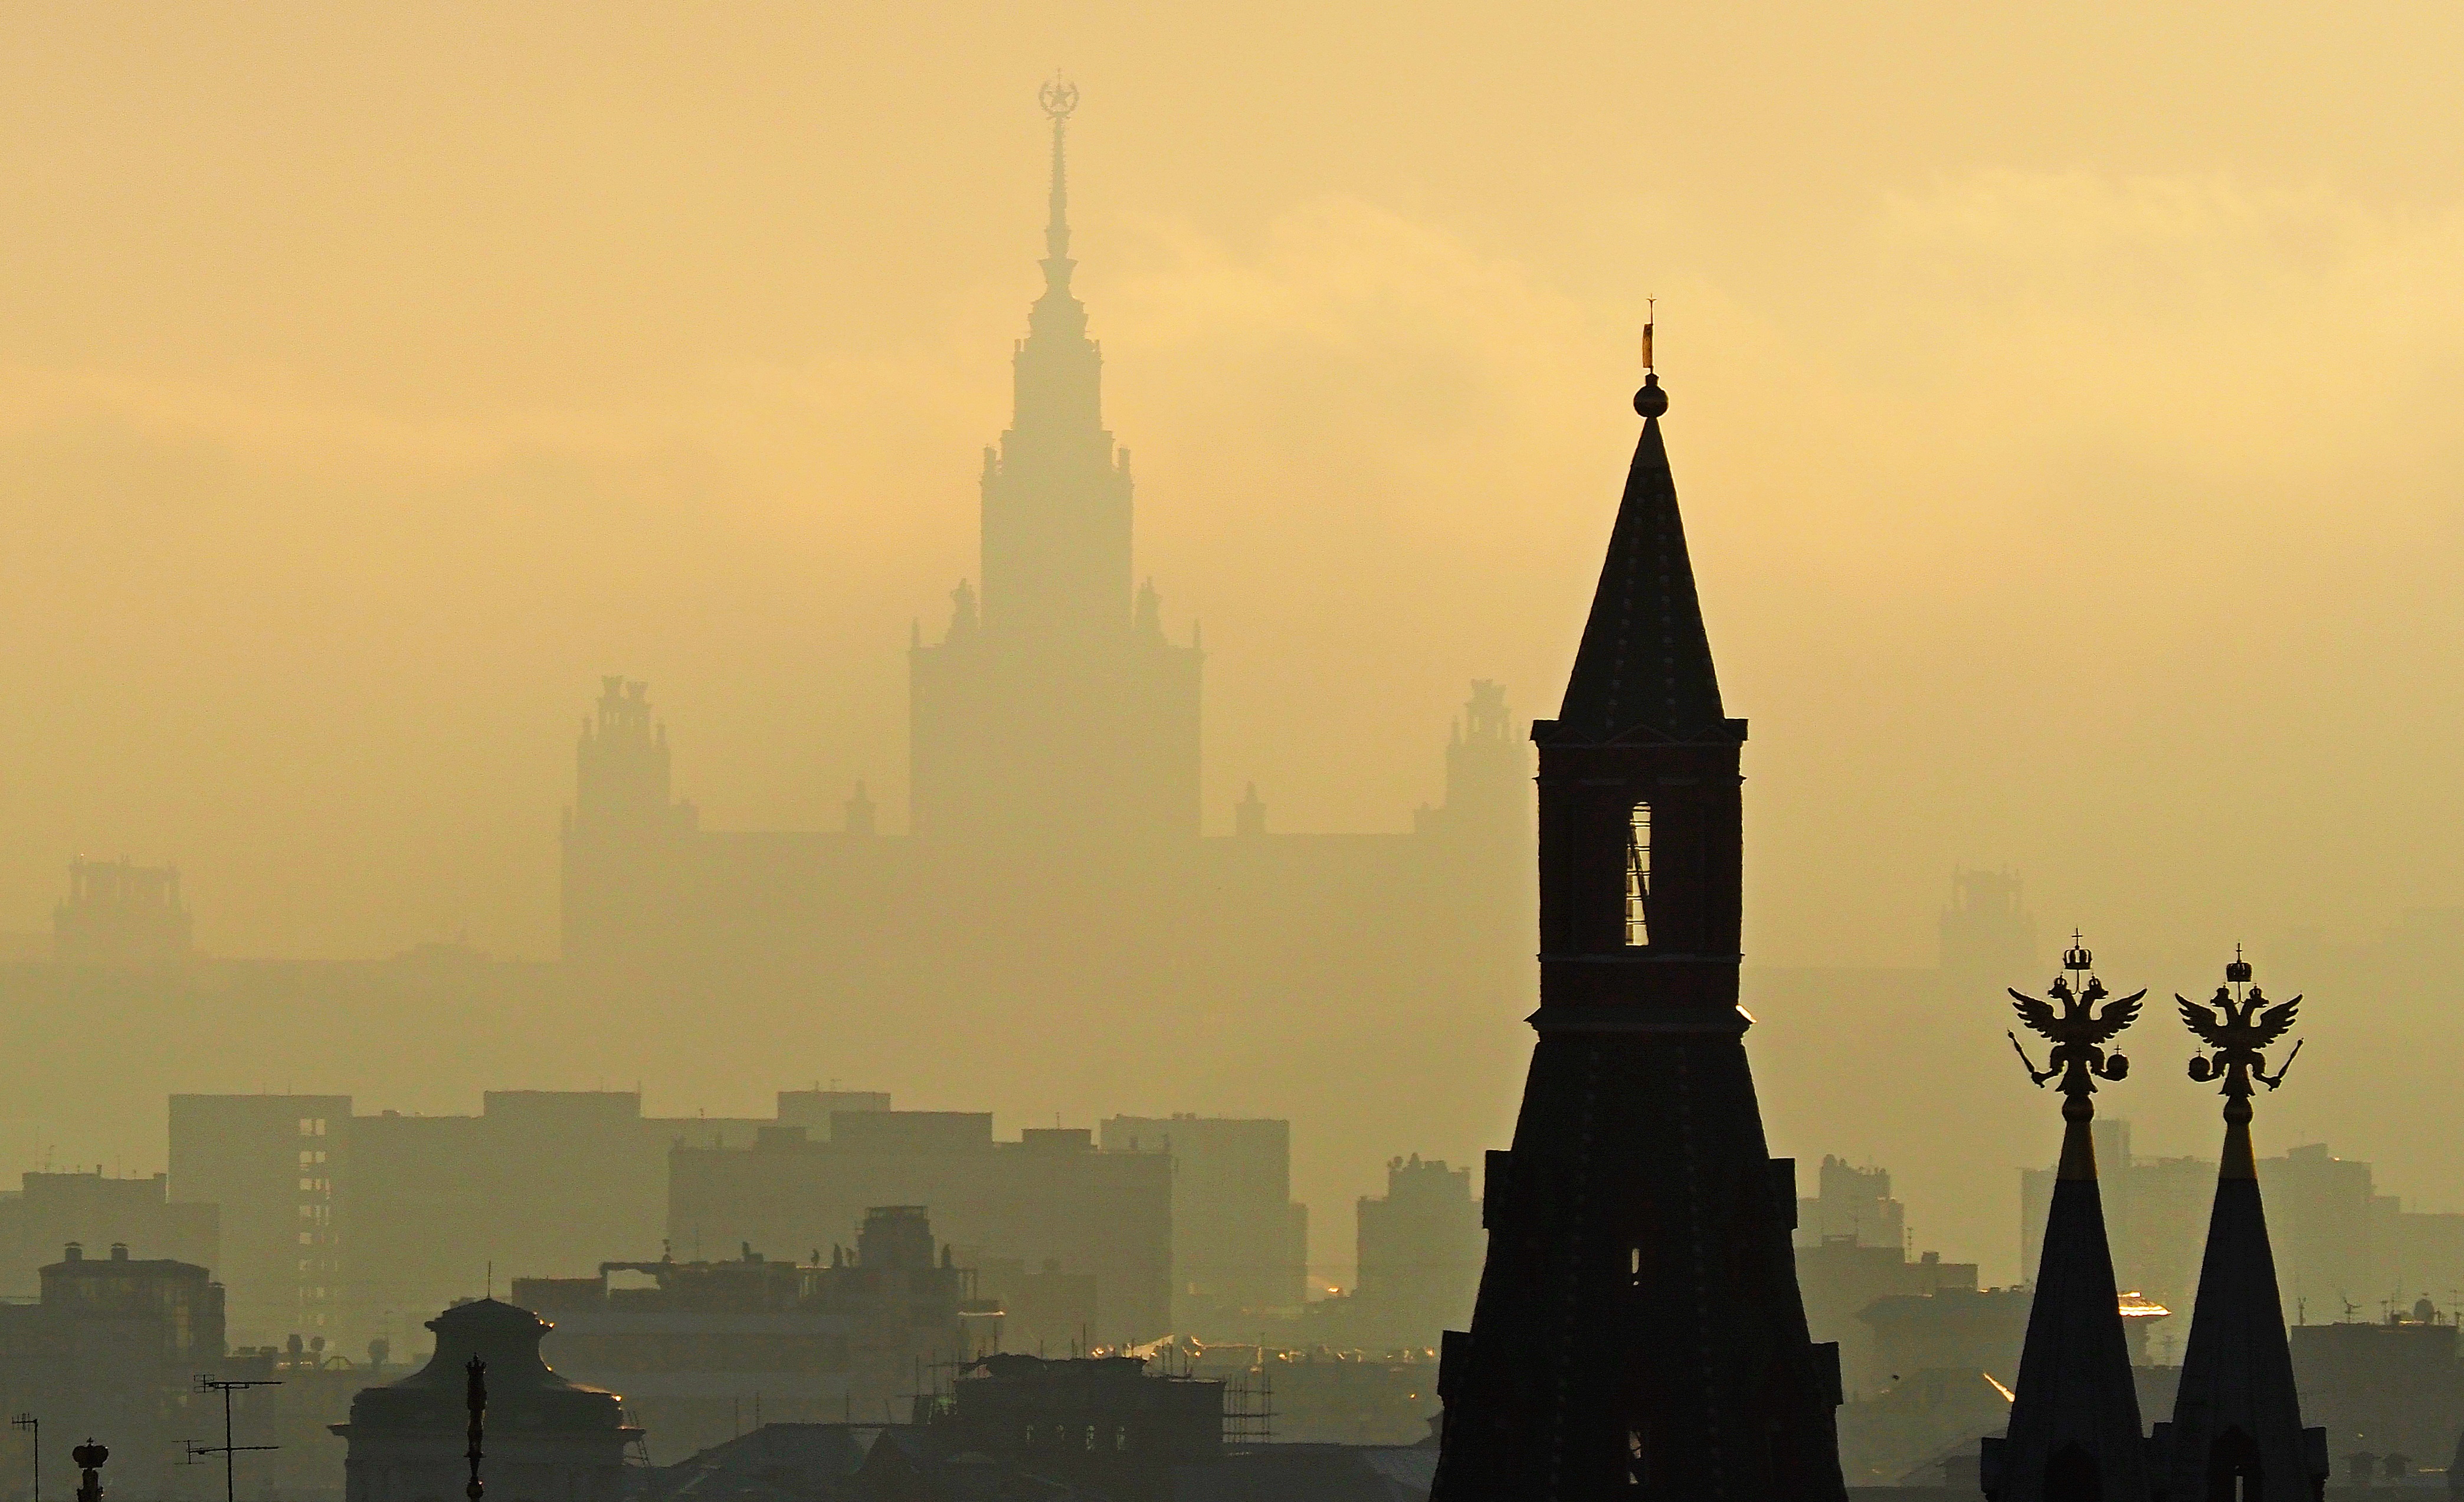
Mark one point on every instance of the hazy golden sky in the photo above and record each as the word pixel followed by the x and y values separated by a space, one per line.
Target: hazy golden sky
pixel 2062 405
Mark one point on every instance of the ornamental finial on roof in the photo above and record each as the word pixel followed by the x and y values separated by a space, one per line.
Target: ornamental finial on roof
pixel 2236 1022
pixel 2078 1032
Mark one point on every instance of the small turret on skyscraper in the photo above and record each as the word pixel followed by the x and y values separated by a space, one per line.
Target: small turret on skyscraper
pixel 1053 711
pixel 2073 1433
pixel 1639 1331
pixel 2236 1431
pixel 624 813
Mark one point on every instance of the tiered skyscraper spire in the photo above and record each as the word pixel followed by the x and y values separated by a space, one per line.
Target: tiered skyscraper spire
pixel 2236 1431
pixel 1054 712
pixel 1639 1331
pixel 2073 1433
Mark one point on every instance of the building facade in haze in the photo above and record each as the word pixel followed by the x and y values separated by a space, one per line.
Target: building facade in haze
pixel 1052 1201
pixel 112 1348
pixel 1419 1246
pixel 1987 932
pixel 120 915
pixel 1054 791
pixel 697 1348
pixel 50 1210
pixel 346 1226
pixel 1239 1246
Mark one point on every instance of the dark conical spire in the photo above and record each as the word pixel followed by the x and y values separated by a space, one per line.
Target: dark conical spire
pixel 2073 1433
pixel 2076 1413
pixel 1645 661
pixel 2238 1416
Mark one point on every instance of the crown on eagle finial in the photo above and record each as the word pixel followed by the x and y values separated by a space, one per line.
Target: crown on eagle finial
pixel 1059 97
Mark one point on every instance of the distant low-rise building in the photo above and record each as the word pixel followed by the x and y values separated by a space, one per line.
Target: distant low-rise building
pixel 112 1349
pixel 697 1348
pixel 1051 1199
pixel 1842 1281
pixel 346 1226
pixel 49 1210
pixel 1420 1249
pixel 2390 1387
pixel 122 916
pixel 1239 1246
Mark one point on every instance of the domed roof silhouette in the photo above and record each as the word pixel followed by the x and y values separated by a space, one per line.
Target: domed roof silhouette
pixel 524 1391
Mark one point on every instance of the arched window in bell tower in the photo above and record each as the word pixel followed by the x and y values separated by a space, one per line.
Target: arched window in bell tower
pixel 1638 876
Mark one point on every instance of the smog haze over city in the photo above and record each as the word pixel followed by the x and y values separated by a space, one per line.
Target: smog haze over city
pixel 2060 403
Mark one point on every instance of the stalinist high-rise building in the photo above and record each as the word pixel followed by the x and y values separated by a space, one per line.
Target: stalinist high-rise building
pixel 1054 865
pixel 1053 712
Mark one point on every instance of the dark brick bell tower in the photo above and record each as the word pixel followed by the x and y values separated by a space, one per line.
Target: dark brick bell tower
pixel 1639 1331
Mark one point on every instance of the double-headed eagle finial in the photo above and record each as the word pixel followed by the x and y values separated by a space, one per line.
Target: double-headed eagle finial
pixel 2077 1030
pixel 2238 1024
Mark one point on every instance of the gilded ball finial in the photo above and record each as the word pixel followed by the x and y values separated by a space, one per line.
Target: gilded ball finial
pixel 1651 401
pixel 1059 96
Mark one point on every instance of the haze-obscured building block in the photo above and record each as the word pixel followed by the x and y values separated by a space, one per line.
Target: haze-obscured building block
pixel 346 1226
pixel 1854 1204
pixel 2321 1212
pixel 2395 1385
pixel 697 1347
pixel 1951 1329
pixel 546 1182
pixel 120 915
pixel 1420 1247
pixel 275 1166
pixel 50 1211
pixel 1043 1311
pixel 1239 1246
pixel 1841 1281
pixel 1988 935
pixel 112 1348
pixel 1051 1196
pixel 812 1109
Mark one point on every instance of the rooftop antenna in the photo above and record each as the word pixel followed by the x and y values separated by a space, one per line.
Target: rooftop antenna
pixel 208 1383
pixel 34 1425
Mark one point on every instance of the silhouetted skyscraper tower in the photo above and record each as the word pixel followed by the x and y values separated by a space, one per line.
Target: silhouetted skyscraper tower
pixel 1053 707
pixel 1639 1330
pixel 624 818
pixel 1987 931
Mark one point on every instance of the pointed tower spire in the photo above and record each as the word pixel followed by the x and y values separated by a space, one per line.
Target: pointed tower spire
pixel 1058 313
pixel 1060 100
pixel 1646 662
pixel 2075 1419
pixel 2237 1429
pixel 1639 1330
